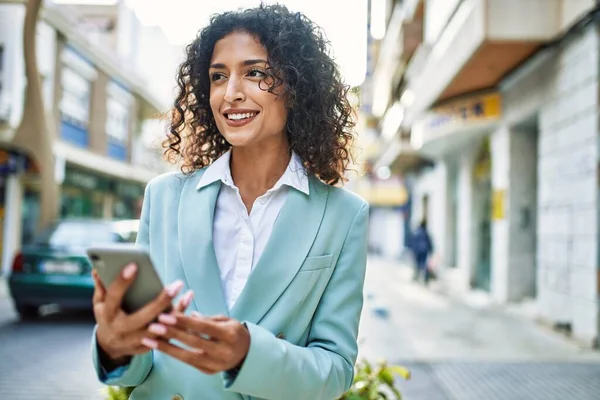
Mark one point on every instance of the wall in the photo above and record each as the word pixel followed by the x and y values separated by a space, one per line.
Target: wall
pixel 465 226
pixel 572 10
pixel 97 131
pixel 500 148
pixel 563 86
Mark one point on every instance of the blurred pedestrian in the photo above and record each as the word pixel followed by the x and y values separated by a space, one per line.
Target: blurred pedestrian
pixel 422 247
pixel 273 252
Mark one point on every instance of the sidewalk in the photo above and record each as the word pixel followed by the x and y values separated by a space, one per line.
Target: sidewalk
pixel 404 320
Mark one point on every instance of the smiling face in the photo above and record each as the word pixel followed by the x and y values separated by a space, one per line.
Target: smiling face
pixel 246 114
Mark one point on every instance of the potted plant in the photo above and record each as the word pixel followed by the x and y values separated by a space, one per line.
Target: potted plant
pixel 118 393
pixel 369 383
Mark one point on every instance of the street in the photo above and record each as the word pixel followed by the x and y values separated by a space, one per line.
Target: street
pixel 460 352
pixel 455 352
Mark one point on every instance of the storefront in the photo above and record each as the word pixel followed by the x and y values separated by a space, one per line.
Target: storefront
pixel 19 199
pixel 82 194
pixel 456 194
pixel 128 200
pixel 90 195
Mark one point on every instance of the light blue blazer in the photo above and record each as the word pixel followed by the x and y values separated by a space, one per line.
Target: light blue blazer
pixel 302 301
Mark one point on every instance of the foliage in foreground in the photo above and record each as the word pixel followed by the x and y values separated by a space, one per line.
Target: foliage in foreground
pixel 370 383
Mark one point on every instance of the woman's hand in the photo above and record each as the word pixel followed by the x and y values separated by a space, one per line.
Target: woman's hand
pixel 119 334
pixel 217 343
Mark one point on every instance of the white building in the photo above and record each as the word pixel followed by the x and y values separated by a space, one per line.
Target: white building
pixel 95 65
pixel 503 96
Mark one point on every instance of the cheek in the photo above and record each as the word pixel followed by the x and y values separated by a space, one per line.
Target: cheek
pixel 277 112
pixel 213 105
pixel 282 114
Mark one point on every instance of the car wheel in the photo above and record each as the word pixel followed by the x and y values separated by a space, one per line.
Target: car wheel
pixel 28 312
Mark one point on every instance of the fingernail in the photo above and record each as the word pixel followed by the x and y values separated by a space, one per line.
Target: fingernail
pixel 153 344
pixel 187 298
pixel 167 319
pixel 196 314
pixel 157 329
pixel 129 271
pixel 174 288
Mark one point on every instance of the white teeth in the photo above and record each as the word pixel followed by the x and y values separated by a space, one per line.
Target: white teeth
pixel 241 116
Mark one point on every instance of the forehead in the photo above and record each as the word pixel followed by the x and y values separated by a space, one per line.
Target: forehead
pixel 236 47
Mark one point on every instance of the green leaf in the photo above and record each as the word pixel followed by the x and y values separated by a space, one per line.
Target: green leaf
pixel 386 376
pixel 401 371
pixel 355 397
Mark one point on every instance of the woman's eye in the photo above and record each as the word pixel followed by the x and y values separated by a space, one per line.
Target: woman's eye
pixel 216 76
pixel 256 73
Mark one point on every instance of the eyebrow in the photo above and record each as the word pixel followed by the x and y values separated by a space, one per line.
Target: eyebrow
pixel 243 63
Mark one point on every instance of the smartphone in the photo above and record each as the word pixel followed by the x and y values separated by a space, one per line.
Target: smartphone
pixel 109 261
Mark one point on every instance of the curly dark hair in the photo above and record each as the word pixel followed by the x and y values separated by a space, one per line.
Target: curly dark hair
pixel 320 118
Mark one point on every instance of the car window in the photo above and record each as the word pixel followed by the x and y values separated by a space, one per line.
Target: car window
pixel 126 230
pixel 76 234
pixel 126 237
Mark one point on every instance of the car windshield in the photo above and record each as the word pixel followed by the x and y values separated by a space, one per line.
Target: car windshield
pixel 81 234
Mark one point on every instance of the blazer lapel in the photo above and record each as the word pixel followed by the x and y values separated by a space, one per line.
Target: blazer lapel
pixel 290 241
pixel 198 259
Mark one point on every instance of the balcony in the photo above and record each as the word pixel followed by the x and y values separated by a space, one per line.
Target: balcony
pixel 481 43
pixel 403 36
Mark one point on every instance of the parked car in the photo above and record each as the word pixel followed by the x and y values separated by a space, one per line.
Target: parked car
pixel 54 268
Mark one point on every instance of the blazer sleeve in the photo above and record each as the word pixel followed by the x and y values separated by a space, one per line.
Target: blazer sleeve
pixel 324 369
pixel 138 369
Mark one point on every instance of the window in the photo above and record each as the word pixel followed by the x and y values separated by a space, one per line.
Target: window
pixel 75 102
pixel 70 234
pixel 118 104
pixel 117 120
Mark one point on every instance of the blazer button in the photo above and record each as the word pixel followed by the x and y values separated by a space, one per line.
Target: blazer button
pixel 280 336
pixel 177 397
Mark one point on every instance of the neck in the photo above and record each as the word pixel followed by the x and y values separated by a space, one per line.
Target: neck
pixel 256 170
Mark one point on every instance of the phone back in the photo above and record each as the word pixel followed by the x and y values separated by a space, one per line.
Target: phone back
pixel 109 262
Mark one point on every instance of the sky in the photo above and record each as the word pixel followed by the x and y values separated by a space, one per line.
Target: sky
pixel 182 19
pixel 348 35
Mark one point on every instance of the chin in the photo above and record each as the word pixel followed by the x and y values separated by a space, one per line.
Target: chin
pixel 239 139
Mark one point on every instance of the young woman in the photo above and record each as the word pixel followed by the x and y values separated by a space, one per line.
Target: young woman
pixel 270 252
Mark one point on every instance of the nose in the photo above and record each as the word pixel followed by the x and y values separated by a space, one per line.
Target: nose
pixel 234 92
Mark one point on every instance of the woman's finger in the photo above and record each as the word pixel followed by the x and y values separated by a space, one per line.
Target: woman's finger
pixel 162 303
pixel 192 357
pixel 195 323
pixel 116 291
pixel 184 302
pixel 99 290
pixel 188 338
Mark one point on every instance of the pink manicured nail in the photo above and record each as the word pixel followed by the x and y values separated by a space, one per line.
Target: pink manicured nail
pixel 129 271
pixel 153 344
pixel 157 329
pixel 187 298
pixel 174 288
pixel 167 319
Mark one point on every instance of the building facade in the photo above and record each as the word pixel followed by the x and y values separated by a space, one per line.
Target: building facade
pixel 502 96
pixel 101 112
